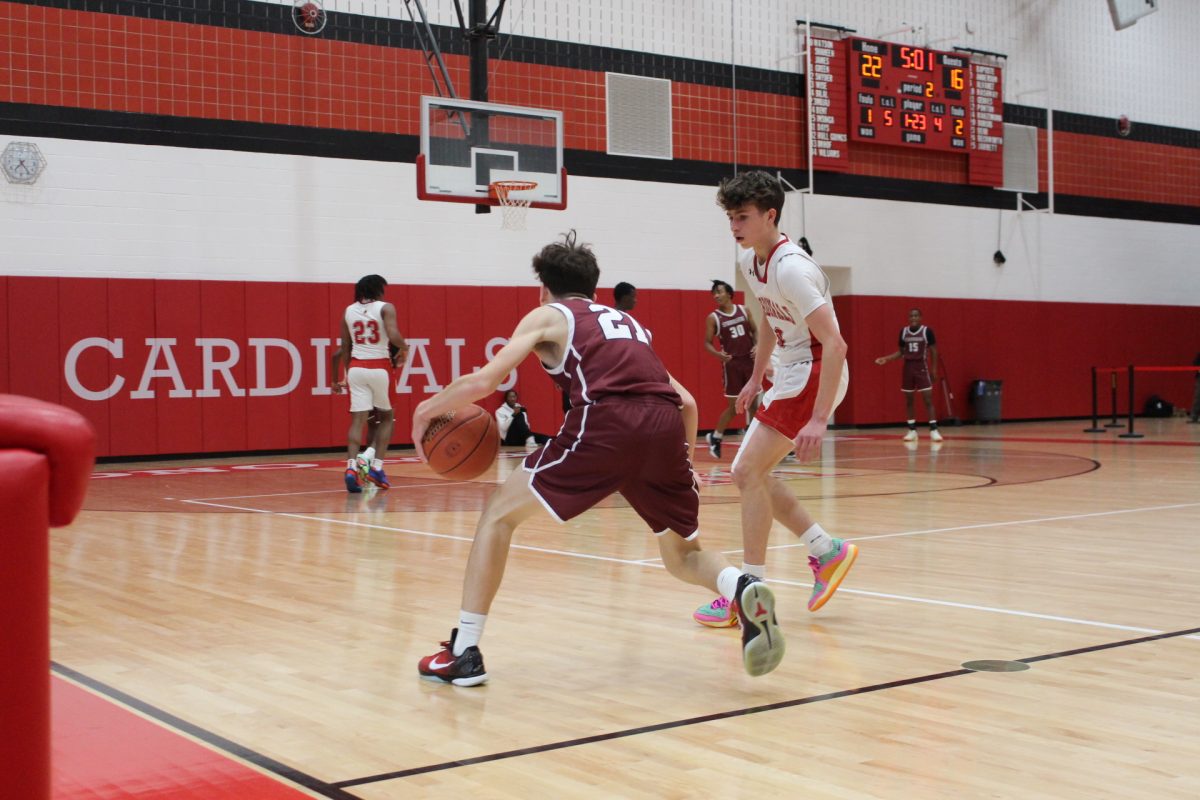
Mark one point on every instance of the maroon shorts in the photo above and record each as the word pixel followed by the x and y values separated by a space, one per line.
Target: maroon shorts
pixel 635 447
pixel 916 377
pixel 738 371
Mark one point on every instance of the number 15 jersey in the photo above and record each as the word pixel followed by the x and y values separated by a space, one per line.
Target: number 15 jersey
pixel 608 354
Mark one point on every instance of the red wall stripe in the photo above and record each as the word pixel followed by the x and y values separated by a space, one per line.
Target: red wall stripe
pixel 112 62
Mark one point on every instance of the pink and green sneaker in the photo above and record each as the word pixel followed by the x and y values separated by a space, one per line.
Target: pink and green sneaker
pixel 720 613
pixel 828 572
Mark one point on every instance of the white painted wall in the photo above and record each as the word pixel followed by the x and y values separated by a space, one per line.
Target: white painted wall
pixel 116 210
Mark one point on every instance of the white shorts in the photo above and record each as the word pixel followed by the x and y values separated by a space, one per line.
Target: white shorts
pixel 369 388
pixel 788 405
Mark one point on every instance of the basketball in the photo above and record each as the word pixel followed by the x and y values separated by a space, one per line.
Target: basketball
pixel 461 445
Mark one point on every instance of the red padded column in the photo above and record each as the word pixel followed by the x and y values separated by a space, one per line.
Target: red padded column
pixel 46 454
pixel 24 625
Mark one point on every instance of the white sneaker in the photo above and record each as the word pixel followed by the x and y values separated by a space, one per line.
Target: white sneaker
pixel 935 436
pixel 911 436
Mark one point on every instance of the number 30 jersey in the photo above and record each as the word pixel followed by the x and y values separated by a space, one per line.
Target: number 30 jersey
pixel 734 331
pixel 365 321
pixel 608 354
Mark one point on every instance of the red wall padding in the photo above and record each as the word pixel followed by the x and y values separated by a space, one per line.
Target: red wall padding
pixel 1042 351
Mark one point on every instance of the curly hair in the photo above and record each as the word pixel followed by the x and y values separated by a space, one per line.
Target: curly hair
pixel 716 284
pixel 757 188
pixel 369 287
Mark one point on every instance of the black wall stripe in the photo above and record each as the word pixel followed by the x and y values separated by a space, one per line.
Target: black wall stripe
pixel 58 122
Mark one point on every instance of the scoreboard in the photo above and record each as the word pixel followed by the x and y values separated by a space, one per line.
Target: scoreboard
pixel 900 94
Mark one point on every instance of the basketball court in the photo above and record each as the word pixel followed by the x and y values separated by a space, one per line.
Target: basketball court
pixel 224 624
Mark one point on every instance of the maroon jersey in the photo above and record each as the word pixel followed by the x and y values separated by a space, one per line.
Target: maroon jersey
pixel 608 354
pixel 734 331
pixel 913 344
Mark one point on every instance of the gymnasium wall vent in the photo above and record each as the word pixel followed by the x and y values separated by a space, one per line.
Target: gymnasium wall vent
pixel 639 116
pixel 1020 158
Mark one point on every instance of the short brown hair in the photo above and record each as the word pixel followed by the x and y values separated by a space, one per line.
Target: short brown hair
pixel 757 188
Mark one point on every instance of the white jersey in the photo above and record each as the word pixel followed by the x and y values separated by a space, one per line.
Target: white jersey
pixel 789 287
pixel 367 333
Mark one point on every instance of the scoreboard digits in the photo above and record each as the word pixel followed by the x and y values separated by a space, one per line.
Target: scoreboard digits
pixel 900 94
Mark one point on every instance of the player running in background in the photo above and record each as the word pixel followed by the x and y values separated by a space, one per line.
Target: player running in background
pixel 918 348
pixel 368 329
pixel 624 433
pixel 731 325
pixel 810 380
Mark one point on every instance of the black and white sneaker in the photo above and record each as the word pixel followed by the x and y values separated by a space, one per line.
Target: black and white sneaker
pixel 714 445
pixel 762 640
pixel 464 670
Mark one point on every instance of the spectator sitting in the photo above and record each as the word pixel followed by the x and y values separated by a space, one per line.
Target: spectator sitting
pixel 513 421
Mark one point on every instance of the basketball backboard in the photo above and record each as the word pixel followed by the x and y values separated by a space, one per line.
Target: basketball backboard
pixel 467 145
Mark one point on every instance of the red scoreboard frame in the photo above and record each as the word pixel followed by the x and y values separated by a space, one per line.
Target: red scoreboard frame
pixel 900 94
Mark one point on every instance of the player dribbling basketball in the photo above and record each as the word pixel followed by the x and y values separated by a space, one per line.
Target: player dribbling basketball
pixel 624 433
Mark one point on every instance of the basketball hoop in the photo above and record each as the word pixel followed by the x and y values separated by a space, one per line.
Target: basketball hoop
pixel 513 208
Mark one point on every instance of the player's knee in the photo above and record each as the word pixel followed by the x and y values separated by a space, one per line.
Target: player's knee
pixel 746 474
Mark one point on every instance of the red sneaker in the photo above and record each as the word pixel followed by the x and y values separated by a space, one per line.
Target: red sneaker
pixel 464 670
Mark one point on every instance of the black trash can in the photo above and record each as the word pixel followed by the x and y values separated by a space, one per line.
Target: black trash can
pixel 985 396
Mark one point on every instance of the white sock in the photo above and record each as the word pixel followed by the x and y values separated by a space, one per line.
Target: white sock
pixel 912 423
pixel 757 570
pixel 819 542
pixel 351 464
pixel 727 582
pixel 933 424
pixel 376 464
pixel 718 436
pixel 470 631
pixel 368 454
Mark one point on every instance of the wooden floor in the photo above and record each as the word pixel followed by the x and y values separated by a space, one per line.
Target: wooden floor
pixel 258 607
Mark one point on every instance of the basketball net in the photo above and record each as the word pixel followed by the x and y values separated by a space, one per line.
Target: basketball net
pixel 512 207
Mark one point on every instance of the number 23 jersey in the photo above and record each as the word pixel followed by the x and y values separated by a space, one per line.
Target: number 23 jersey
pixel 608 354
pixel 369 338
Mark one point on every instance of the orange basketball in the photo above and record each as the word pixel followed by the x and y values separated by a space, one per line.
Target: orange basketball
pixel 461 445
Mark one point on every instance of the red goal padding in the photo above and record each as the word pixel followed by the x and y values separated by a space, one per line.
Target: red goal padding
pixel 46 455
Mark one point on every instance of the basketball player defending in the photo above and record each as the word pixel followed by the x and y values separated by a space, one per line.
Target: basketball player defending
pixel 624 433
pixel 368 328
pixel 810 380
pixel 731 325
pixel 918 348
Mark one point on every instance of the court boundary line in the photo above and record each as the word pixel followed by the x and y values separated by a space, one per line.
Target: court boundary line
pixel 181 727
pixel 722 715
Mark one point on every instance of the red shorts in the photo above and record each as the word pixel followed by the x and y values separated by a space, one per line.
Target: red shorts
pixel 635 447
pixel 738 371
pixel 916 377
pixel 788 404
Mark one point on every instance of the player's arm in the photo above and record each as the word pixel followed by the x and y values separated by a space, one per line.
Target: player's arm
pixel 691 415
pixel 543 324
pixel 822 324
pixel 765 340
pixel 341 356
pixel 390 326
pixel 752 329
pixel 933 356
pixel 710 333
pixel 893 356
